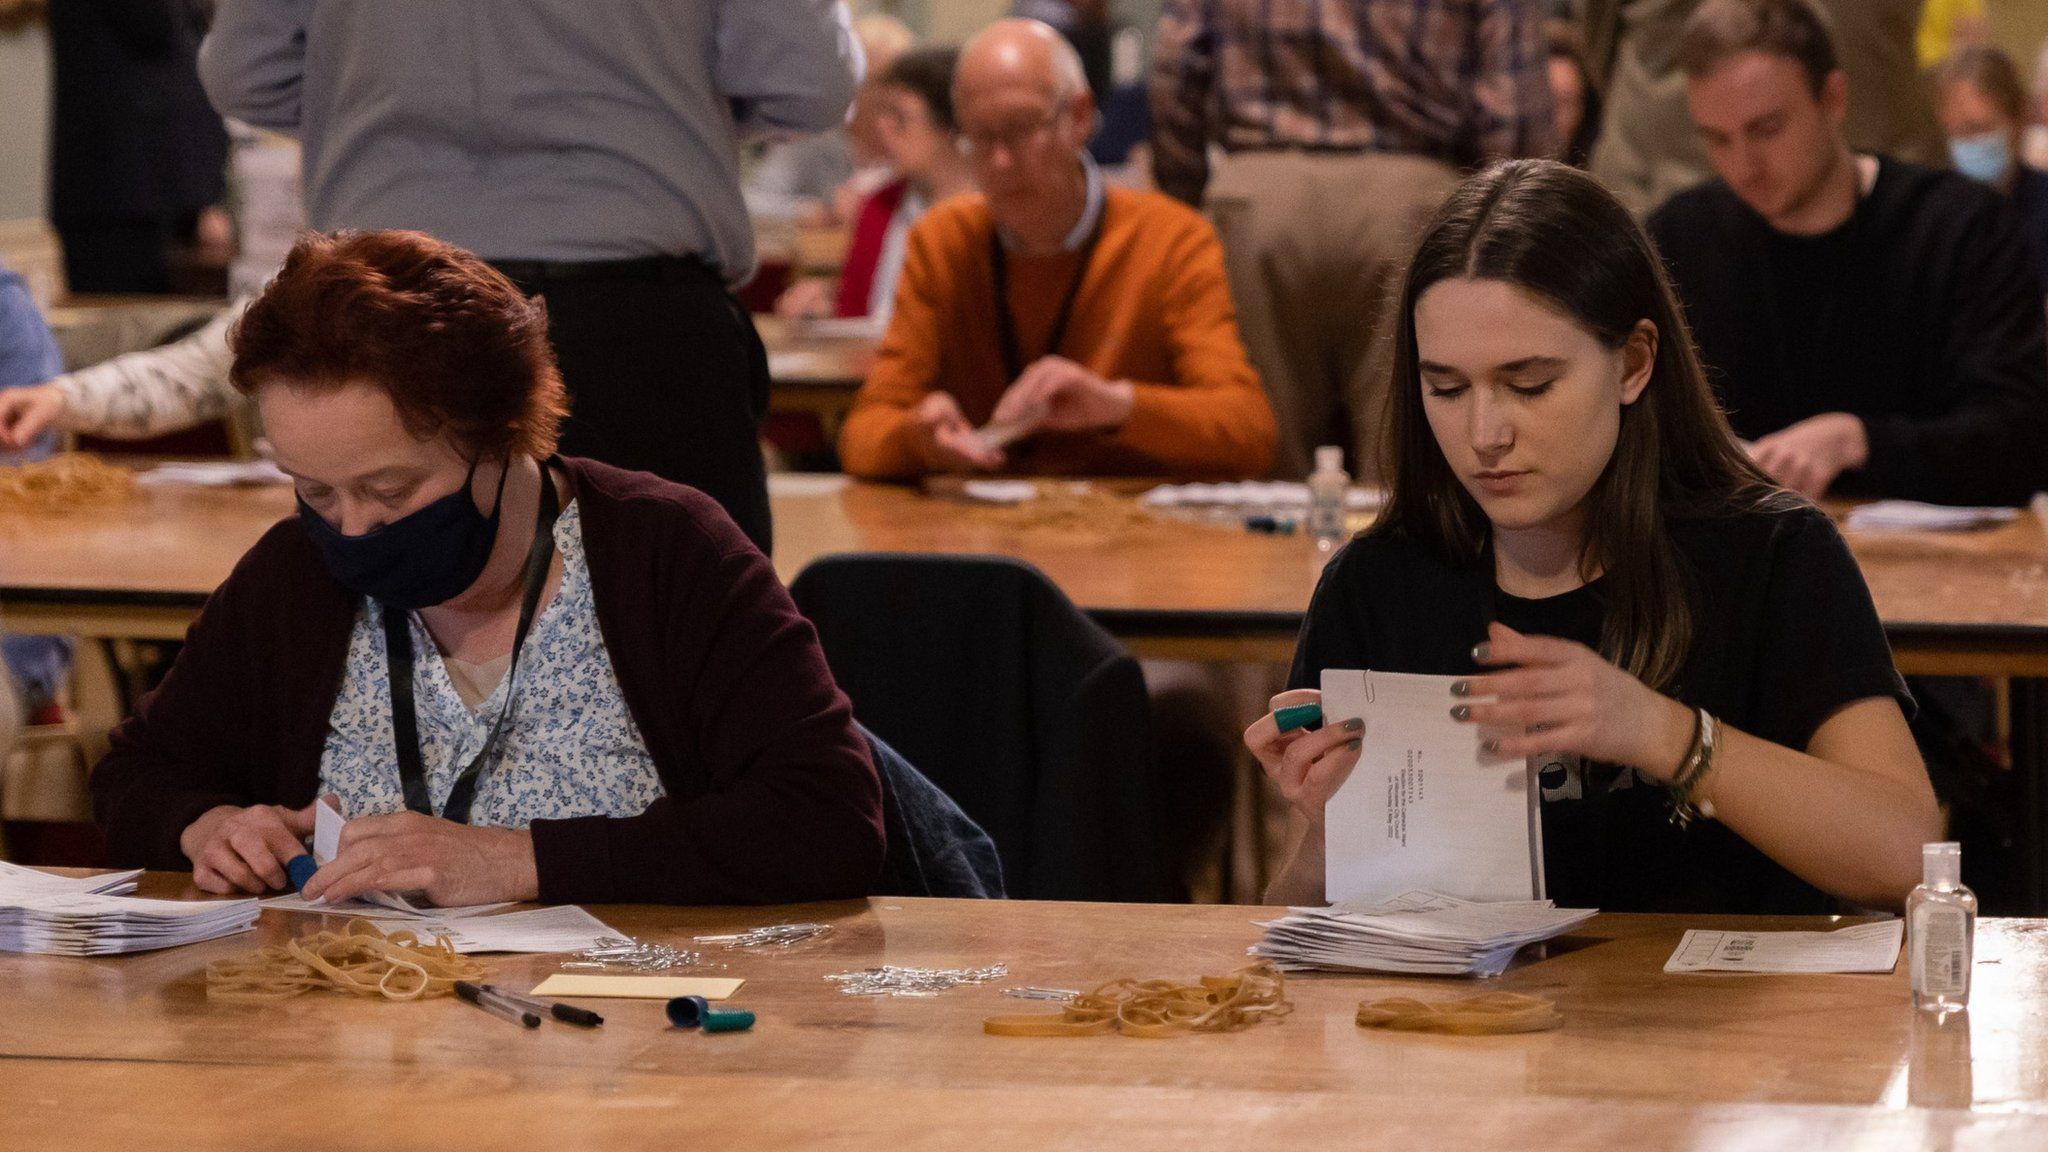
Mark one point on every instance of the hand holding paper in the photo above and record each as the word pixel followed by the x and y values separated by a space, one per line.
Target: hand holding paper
pixel 404 852
pixel 1306 765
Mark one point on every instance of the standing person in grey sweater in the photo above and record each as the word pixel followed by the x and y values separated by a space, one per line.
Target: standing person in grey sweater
pixel 590 151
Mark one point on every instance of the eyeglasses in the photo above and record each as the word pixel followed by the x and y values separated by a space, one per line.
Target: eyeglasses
pixel 1012 139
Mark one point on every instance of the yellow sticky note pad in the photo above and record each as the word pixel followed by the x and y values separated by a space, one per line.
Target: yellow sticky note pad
pixel 638 987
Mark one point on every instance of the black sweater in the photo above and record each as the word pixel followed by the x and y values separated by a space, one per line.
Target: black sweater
pixel 1922 315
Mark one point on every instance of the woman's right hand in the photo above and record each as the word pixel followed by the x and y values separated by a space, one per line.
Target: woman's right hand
pixel 808 298
pixel 1307 766
pixel 236 849
pixel 26 413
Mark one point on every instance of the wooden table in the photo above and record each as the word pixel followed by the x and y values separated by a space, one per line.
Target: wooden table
pixel 138 570
pixel 127 1052
pixel 813 372
pixel 1964 604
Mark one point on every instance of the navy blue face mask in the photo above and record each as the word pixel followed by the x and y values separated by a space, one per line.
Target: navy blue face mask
pixel 424 558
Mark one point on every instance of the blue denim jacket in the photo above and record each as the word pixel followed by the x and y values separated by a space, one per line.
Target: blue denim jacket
pixel 29 355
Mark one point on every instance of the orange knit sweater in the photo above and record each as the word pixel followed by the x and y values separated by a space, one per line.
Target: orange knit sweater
pixel 1153 309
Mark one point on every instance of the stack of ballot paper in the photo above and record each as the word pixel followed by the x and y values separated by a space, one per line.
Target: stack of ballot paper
pixel 1913 516
pixel 1418 932
pixel 79 917
pixel 16 880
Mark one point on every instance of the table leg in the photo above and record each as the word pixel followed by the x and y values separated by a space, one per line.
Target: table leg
pixel 2029 729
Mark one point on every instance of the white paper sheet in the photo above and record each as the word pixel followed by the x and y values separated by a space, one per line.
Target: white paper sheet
pixel 214 474
pixel 561 928
pixel 327 824
pixel 379 906
pixel 1861 948
pixel 1425 808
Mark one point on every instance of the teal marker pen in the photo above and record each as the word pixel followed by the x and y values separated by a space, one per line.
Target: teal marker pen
pixel 1298 716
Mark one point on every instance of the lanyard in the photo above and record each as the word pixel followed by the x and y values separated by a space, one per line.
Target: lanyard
pixel 1006 325
pixel 405 730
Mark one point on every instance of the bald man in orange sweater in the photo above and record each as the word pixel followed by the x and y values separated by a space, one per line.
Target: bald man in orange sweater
pixel 1051 325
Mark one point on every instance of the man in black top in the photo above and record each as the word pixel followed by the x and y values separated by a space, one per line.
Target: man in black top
pixel 136 153
pixel 1863 319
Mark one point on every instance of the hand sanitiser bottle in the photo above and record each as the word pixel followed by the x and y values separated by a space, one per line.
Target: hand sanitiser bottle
pixel 1327 487
pixel 1941 925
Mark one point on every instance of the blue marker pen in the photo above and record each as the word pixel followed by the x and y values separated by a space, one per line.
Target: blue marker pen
pixel 300 869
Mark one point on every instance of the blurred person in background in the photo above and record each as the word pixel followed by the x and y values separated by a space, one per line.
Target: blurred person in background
pixel 822 178
pixel 1577 102
pixel 914 98
pixel 137 156
pixel 590 153
pixel 1983 109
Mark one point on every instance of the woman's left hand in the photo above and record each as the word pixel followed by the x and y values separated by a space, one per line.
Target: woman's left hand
pixel 1559 696
pixel 454 864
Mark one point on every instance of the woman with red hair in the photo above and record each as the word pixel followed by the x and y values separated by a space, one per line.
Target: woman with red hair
pixel 596 688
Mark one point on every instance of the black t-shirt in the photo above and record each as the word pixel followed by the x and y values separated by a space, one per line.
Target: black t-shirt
pixel 1784 635
pixel 1921 315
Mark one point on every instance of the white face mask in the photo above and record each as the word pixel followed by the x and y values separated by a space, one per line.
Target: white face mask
pixel 1986 157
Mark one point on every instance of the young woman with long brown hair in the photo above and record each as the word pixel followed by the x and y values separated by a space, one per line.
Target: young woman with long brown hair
pixel 1573 530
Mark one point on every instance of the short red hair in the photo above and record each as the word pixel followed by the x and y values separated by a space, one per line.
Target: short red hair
pixel 459 349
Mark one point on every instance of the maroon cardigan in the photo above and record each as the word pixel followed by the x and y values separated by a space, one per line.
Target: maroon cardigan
pixel 771 793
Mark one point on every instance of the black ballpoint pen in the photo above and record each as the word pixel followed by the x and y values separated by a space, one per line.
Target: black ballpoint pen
pixel 496 1004
pixel 566 1013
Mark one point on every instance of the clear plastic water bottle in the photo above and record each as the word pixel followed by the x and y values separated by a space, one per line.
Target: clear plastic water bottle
pixel 1941 927
pixel 1327 487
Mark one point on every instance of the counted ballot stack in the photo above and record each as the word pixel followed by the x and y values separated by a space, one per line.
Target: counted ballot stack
pixel 90 916
pixel 1418 932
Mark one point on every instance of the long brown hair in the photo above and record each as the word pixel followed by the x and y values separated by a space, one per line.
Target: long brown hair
pixel 1551 230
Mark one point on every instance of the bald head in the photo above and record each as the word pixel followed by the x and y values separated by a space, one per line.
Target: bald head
pixel 1010 53
pixel 1024 113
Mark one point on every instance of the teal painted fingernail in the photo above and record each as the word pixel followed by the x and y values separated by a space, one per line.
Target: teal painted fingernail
pixel 1354 725
pixel 1482 651
pixel 1461 687
pixel 1355 745
pixel 1489 746
pixel 1462 712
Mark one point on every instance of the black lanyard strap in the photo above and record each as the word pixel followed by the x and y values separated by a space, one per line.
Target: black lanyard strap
pixel 405 730
pixel 1006 325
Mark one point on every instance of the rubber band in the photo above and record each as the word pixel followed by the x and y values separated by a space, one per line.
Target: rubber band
pixel 1488 1014
pixel 61 483
pixel 1153 1009
pixel 360 960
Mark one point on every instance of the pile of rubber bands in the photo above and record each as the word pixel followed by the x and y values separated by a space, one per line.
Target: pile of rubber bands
pixel 360 960
pixel 61 483
pixel 1158 1008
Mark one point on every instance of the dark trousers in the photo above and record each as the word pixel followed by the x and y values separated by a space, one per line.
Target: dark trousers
pixel 116 254
pixel 665 375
